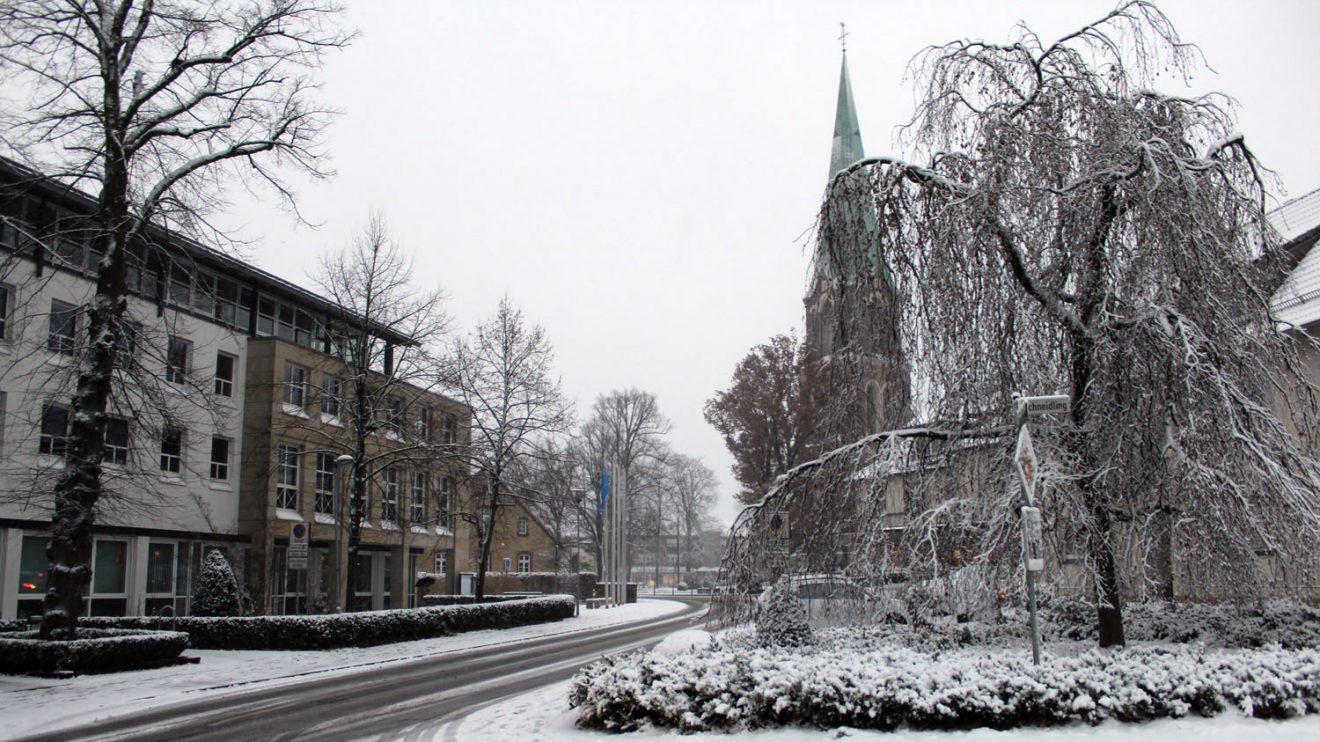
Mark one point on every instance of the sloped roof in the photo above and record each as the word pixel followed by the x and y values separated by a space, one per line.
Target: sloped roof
pixel 847 146
pixel 1297 223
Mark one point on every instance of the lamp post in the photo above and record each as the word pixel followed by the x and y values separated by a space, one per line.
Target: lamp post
pixel 579 497
pixel 343 470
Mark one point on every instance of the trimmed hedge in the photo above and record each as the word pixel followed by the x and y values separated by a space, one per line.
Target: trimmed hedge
pixel 335 631
pixel 95 650
pixel 718 688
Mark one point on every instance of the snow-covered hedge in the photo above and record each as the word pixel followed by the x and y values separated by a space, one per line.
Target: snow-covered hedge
pixel 723 688
pixel 95 650
pixel 334 631
pixel 430 600
pixel 1285 623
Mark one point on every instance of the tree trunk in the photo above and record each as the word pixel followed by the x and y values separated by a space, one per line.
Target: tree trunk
pixel 78 488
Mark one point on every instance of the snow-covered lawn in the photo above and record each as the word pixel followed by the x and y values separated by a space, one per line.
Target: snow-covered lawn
pixel 34 705
pixel 544 716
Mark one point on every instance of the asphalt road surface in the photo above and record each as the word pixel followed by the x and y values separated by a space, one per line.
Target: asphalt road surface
pixel 398 701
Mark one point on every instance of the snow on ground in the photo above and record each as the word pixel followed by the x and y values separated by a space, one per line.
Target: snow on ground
pixel 544 716
pixel 37 705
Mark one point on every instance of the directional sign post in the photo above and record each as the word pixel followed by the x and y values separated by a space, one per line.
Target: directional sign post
pixel 1024 456
pixel 1028 468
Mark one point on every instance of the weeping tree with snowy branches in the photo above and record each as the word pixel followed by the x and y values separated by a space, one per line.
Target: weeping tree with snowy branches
pixel 1069 230
pixel 144 103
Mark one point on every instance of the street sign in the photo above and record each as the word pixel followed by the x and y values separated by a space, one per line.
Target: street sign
pixel 1028 466
pixel 1056 405
pixel 1033 552
pixel 297 554
pixel 779 532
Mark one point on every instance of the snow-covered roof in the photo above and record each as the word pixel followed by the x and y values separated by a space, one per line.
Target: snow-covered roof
pixel 1297 301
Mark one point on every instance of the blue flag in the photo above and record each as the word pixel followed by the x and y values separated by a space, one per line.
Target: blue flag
pixel 604 491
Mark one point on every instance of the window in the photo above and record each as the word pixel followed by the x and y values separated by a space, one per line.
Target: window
pixel 109 576
pixel 295 385
pixel 54 438
pixel 265 317
pixel 331 392
pixel 5 293
pixel 422 422
pixel 389 504
pixel 441 563
pixel 176 360
pixel 442 502
pixel 224 374
pixel 417 502
pixel 325 483
pixel 63 328
pixel 203 297
pixel 160 577
pixel 32 567
pixel 180 284
pixel 284 327
pixel 524 562
pixel 128 333
pixel 394 416
pixel 115 450
pixel 523 527
pixel 171 450
pixel 219 458
pixel 286 476
pixel 449 433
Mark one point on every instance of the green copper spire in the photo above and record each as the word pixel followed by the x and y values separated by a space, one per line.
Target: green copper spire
pixel 847 134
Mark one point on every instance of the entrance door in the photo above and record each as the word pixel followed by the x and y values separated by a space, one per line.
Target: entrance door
pixel 465 586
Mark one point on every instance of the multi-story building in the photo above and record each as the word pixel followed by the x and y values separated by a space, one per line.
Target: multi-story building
pixel 206 446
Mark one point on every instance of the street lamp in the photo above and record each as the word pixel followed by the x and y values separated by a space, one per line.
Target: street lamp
pixel 343 470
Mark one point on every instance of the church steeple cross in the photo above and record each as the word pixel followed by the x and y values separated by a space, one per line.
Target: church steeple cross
pixel 843 36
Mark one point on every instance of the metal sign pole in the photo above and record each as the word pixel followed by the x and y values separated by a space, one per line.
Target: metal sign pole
pixel 1030 550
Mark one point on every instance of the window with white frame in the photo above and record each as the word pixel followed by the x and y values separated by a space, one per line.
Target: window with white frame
pixel 109 594
pixel 449 428
pixel 441 563
pixel 389 494
pixel 161 566
pixel 295 385
pixel 171 450
pixel 394 416
pixel 523 527
pixel 287 457
pixel 6 298
pixel 331 393
pixel 417 501
pixel 442 501
pixel 524 562
pixel 422 422
pixel 325 483
pixel 219 458
pixel 224 374
pixel 54 437
pixel 63 336
pixel 176 360
pixel 115 449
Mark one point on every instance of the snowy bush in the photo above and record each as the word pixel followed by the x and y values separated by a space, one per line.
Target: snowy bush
pixel 723 688
pixel 95 650
pixel 1287 624
pixel 780 618
pixel 217 591
pixel 334 631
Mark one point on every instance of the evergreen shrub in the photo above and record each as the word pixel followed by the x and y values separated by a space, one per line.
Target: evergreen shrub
pixel 217 591
pixel 95 650
pixel 781 621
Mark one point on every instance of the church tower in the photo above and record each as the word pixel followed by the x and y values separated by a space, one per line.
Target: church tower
pixel 852 306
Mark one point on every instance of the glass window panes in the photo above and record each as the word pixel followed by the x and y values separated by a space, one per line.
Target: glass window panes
pixel 389 506
pixel 325 482
pixel 54 438
pixel 171 450
pixel 417 502
pixel 442 501
pixel 330 396
pixel 32 566
pixel 115 450
pixel 524 562
pixel 63 328
pixel 522 527
pixel 224 374
pixel 219 458
pixel 265 317
pixel 295 384
pixel 109 567
pixel 160 568
pixel 286 476
pixel 176 360
pixel 4 312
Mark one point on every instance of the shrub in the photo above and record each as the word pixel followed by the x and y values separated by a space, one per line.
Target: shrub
pixel 723 688
pixel 780 619
pixel 339 630
pixel 95 650
pixel 217 590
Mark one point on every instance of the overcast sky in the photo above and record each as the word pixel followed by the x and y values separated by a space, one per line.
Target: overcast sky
pixel 641 178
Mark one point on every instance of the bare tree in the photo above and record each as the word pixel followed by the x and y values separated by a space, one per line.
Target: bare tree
pixel 503 373
pixel 143 101
pixel 693 488
pixel 770 416
pixel 626 429
pixel 386 335
pixel 551 487
pixel 1072 230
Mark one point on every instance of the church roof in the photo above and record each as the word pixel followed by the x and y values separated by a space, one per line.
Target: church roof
pixel 847 147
